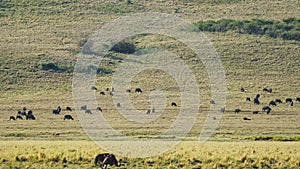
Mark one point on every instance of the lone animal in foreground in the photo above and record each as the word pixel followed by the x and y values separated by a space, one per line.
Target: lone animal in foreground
pixel 106 159
pixel 68 117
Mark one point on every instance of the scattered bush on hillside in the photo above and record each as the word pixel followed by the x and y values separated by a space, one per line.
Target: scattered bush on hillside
pixel 123 47
pixel 287 29
pixel 54 67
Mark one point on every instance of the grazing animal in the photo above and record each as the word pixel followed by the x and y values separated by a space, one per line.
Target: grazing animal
pixel 19 112
pixel 212 102
pixel 88 111
pixel 83 107
pixel 248 99
pixel 148 111
pixel 111 160
pixel 267 90
pixel 222 110
pixel 118 104
pixel 153 110
pixel 100 158
pixel 94 88
pixel 112 89
pixel 111 93
pixel 256 101
pixel 288 100
pixel 68 108
pixel 174 104
pixel 29 112
pixel 272 103
pixel 257 96
pixel 246 118
pixel 12 118
pixel 267 109
pixel 242 89
pixel 292 103
pixel 298 99
pixel 128 91
pixel 30 117
pixel 99 109
pixel 255 112
pixel 68 117
pixel 237 110
pixel 19 117
pixel 138 90
pixel 278 101
pixel 107 89
pixel 102 93
pixel 57 111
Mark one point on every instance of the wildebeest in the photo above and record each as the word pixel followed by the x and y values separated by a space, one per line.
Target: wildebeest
pixel 19 117
pixel 297 99
pixel 83 107
pixel 107 89
pixel 88 111
pixel 212 101
pixel 272 103
pixel 256 101
pixel 267 109
pixel 68 117
pixel 56 111
pixel 118 104
pixel 68 108
pixel 99 109
pixel 248 99
pixel 246 118
pixel 222 110
pixel 138 90
pixel 102 93
pixel 29 112
pixel 278 101
pixel 128 91
pixel 148 111
pixel 257 96
pixel 153 110
pixel 237 110
pixel 12 118
pixel 292 103
pixel 111 93
pixel 242 89
pixel 269 90
pixel 255 112
pixel 174 104
pixel 288 100
pixel 30 117
pixel 94 88
pixel 106 159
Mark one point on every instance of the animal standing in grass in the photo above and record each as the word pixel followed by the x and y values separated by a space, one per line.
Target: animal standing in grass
pixel 105 159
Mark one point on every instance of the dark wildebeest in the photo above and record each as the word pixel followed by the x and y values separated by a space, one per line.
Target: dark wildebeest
pixel 292 103
pixel 94 88
pixel 107 89
pixel 255 112
pixel 118 104
pixel 257 96
pixel 267 109
pixel 30 117
pixel 153 110
pixel 102 93
pixel 68 117
pixel 19 117
pixel 57 111
pixel 288 100
pixel 242 89
pixel 88 111
pixel 237 110
pixel 111 93
pixel 246 118
pixel 278 101
pixel 298 99
pixel 99 159
pixel 256 101
pixel 248 99
pixel 174 104
pixel 267 90
pixel 83 107
pixel 212 101
pixel 99 109
pixel 128 91
pixel 138 90
pixel 29 112
pixel 272 103
pixel 222 110
pixel 68 108
pixel 12 118
pixel 148 111
pixel 106 159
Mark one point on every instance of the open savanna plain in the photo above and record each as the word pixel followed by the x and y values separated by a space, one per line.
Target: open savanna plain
pixel 40 42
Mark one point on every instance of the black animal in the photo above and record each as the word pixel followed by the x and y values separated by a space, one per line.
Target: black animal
pixel 237 110
pixel 148 111
pixel 111 93
pixel 102 93
pixel 128 91
pixel 94 88
pixel 246 118
pixel 255 112
pixel 272 103
pixel 138 90
pixel 298 99
pixel 83 107
pixel 99 109
pixel 107 89
pixel 222 110
pixel 19 117
pixel 29 112
pixel 118 104
pixel 257 96
pixel 256 101
pixel 88 111
pixel 68 108
pixel 12 118
pixel 30 117
pixel 153 110
pixel 267 109
pixel 269 90
pixel 278 101
pixel 68 117
pixel 288 100
pixel 292 103
pixel 242 89
pixel 174 104
pixel 57 111
pixel 248 99
pixel 212 102
pixel 99 159
pixel 110 160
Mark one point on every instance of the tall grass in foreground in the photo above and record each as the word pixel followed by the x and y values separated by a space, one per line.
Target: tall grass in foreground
pixel 189 154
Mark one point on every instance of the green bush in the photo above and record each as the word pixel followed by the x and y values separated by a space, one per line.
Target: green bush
pixel 50 66
pixel 123 47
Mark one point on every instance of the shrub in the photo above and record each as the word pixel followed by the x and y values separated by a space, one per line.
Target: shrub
pixel 50 66
pixel 123 47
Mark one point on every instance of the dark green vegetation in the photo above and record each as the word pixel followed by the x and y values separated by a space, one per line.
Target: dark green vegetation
pixel 288 29
pixel 40 40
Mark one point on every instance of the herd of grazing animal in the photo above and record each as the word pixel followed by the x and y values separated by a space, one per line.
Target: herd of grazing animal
pixel 27 115
pixel 266 108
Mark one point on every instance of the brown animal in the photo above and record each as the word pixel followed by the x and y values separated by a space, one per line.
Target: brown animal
pixel 105 159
